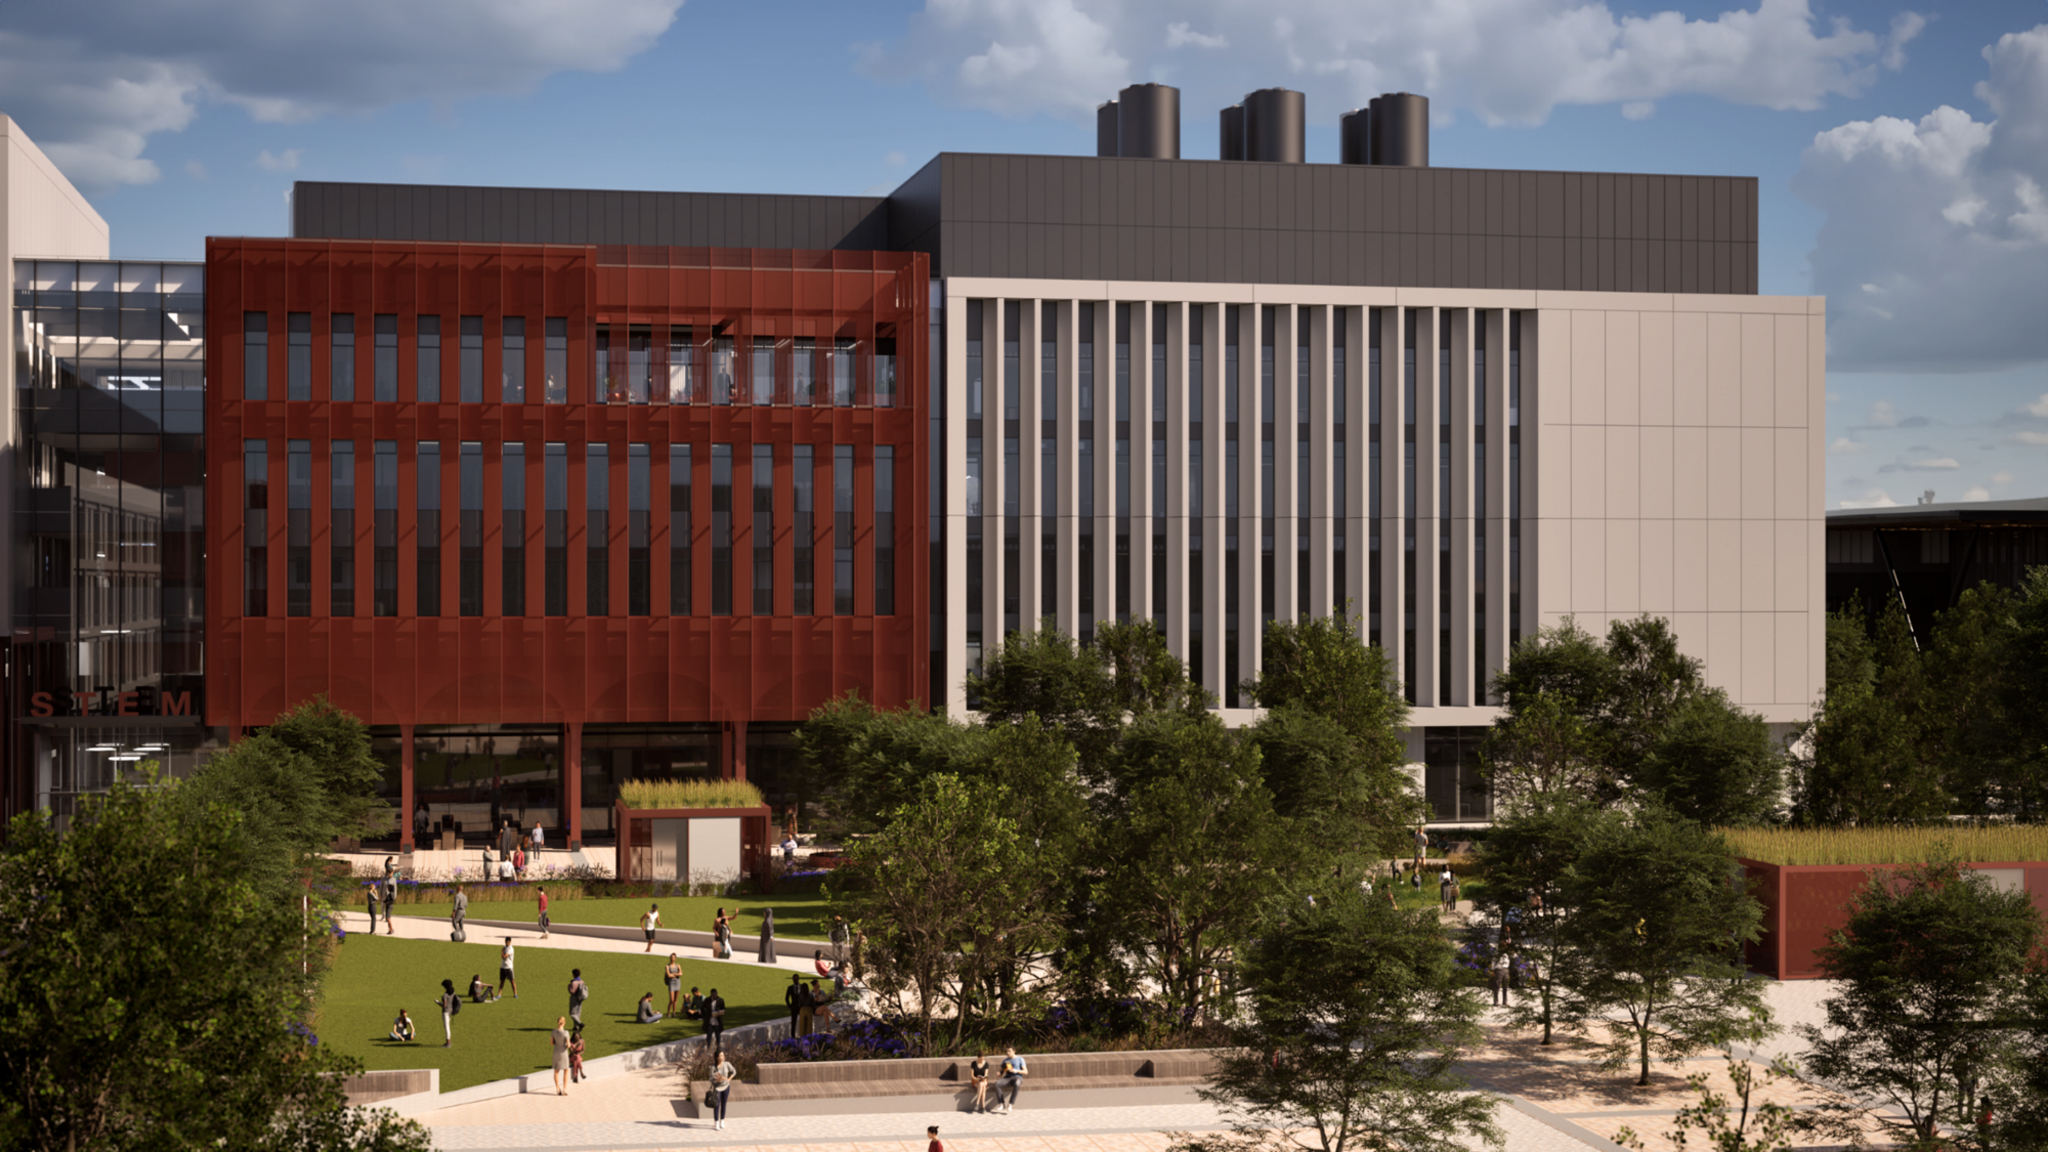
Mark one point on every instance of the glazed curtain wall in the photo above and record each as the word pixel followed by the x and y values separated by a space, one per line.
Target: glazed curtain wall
pixel 557 512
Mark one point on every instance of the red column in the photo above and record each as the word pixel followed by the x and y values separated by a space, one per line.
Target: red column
pixel 405 801
pixel 739 750
pixel 572 779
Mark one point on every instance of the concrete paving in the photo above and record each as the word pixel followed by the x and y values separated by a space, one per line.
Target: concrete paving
pixel 744 948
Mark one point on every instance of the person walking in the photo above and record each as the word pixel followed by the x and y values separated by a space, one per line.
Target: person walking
pixel 721 936
pixel 714 1020
pixel 390 895
pixel 390 869
pixel 1014 1071
pixel 558 1044
pixel 576 1053
pixel 767 952
pixel 375 895
pixel 1498 977
pixel 649 922
pixel 806 1008
pixel 449 1004
pixel 541 894
pixel 673 974
pixel 505 975
pixel 838 937
pixel 936 1145
pixel 791 997
pixel 458 914
pixel 722 1073
pixel 578 993
pixel 540 837
pixel 1443 889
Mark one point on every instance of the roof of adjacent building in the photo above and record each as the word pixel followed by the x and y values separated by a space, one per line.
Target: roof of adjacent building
pixel 1984 513
pixel 1111 218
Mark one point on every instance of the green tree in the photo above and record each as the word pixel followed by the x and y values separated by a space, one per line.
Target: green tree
pixel 2021 789
pixel 1526 859
pixel 1355 1024
pixel 872 761
pixel 1776 1124
pixel 1542 751
pixel 1715 763
pixel 1931 997
pixel 1189 850
pixel 1322 664
pixel 1656 917
pixel 947 892
pixel 154 992
pixel 1650 685
pixel 302 782
pixel 1866 750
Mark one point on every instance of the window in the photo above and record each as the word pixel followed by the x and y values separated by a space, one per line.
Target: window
pixel 470 581
pixel 342 552
pixel 429 531
pixel 298 359
pixel 385 356
pixel 341 373
pixel 679 529
pixel 762 370
pixel 298 528
pixel 885 530
pixel 512 362
pixel 255 356
pixel 843 351
pixel 804 372
pixel 681 361
pixel 472 360
pixel 721 529
pixel 255 528
pixel 384 539
pixel 639 363
pixel 638 561
pixel 885 372
pixel 806 559
pixel 555 528
pixel 597 538
pixel 764 530
pixel 428 388
pixel 842 529
pixel 557 360
pixel 512 558
pixel 721 370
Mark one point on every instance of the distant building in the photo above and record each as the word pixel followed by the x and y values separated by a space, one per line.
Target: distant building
pixel 1926 555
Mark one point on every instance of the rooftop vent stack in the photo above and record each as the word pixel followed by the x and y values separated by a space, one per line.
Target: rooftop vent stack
pixel 1105 129
pixel 1275 122
pixel 1231 134
pixel 1148 122
pixel 1400 130
pixel 1355 133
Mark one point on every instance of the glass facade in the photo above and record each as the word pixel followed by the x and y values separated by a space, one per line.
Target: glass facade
pixel 108 476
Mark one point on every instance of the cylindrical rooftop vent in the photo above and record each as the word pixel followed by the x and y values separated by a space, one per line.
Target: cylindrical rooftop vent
pixel 1148 121
pixel 1275 122
pixel 1355 133
pixel 1400 130
pixel 1105 129
pixel 1230 134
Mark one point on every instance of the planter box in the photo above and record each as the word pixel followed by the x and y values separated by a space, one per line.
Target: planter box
pixel 1803 903
pixel 691 844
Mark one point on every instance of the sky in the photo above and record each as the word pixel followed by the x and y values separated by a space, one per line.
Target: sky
pixel 1901 152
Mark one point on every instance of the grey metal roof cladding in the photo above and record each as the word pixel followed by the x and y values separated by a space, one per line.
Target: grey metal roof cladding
pixel 1087 217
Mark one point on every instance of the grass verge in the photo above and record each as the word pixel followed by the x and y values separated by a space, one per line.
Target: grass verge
pixel 373 977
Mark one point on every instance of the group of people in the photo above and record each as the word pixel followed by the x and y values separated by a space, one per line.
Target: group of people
pixel 515 851
pixel 1008 1080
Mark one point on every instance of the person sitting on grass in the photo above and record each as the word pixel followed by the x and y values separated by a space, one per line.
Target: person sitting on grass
pixel 401 1028
pixel 480 992
pixel 646 1013
pixel 693 1004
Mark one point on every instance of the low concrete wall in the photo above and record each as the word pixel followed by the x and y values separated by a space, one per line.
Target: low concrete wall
pixel 941 1084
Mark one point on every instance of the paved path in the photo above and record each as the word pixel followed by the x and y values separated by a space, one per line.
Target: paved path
pixel 436 928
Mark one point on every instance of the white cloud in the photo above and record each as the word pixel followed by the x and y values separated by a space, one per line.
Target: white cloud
pixel 1885 414
pixel 285 161
pixel 1931 464
pixel 2038 407
pixel 92 83
pixel 1507 61
pixel 1873 498
pixel 2001 478
pixel 1180 35
pixel 1977 492
pixel 1639 109
pixel 2031 439
pixel 1935 250
pixel 195 169
pixel 1843 446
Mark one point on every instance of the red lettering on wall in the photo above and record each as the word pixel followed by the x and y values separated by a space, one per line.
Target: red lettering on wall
pixel 41 704
pixel 84 700
pixel 177 704
pixel 128 704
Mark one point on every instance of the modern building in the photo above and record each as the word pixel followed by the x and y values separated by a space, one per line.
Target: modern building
pixel 1467 403
pixel 1926 555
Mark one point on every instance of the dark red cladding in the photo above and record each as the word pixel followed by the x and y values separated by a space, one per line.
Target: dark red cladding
pixel 575 667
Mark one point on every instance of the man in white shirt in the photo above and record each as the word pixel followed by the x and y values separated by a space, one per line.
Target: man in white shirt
pixel 505 970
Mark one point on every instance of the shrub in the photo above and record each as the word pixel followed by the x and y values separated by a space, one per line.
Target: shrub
pixel 1889 844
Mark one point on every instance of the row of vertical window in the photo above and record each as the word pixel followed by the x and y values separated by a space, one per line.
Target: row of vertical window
pixel 1271 378
pixel 685 366
pixel 796 473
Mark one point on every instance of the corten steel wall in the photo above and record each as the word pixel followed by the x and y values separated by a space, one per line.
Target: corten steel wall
pixel 574 668
pixel 1803 903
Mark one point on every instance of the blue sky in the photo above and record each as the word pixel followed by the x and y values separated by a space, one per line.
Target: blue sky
pixel 1902 152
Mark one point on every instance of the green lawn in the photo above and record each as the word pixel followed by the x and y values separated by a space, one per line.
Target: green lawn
pixel 375 976
pixel 804 916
